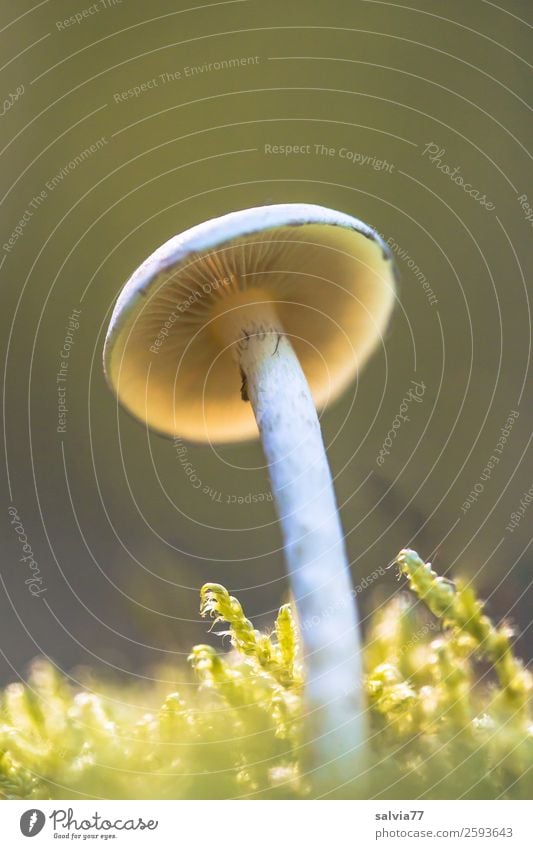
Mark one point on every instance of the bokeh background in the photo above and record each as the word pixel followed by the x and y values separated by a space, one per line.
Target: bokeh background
pixel 122 539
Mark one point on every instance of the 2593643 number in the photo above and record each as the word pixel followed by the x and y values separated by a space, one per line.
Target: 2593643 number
pixel 487 831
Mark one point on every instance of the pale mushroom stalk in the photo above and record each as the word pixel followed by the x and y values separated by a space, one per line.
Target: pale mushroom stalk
pixel 299 296
pixel 315 556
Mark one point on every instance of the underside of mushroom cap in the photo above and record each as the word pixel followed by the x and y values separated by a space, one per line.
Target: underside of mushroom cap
pixel 329 277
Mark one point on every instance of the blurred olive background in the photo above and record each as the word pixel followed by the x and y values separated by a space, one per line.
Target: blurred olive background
pixel 122 535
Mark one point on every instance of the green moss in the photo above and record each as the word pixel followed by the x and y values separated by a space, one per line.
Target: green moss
pixel 448 701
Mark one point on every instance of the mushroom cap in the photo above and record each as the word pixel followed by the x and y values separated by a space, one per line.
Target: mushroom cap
pixel 329 277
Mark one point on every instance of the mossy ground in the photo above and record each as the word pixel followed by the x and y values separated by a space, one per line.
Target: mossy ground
pixel 448 701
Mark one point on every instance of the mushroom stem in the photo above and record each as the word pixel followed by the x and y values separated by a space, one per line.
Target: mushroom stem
pixel 302 487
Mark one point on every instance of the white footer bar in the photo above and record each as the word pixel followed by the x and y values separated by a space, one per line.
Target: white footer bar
pixel 268 824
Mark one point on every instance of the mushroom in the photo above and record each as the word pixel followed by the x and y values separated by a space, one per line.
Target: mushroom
pixel 294 297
